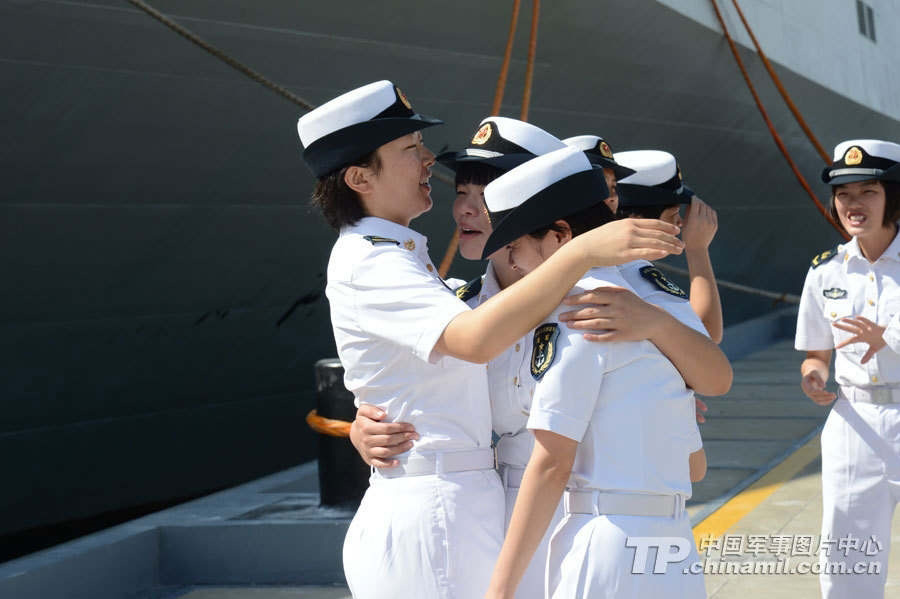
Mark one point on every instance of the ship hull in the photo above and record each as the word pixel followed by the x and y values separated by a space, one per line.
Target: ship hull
pixel 164 273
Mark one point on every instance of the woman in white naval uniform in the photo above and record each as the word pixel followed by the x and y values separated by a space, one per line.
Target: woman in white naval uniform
pixel 496 146
pixel 432 526
pixel 587 397
pixel 851 304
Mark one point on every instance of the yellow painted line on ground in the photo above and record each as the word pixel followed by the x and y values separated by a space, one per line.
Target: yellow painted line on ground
pixel 720 521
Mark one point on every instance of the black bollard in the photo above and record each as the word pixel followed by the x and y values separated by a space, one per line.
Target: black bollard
pixel 343 476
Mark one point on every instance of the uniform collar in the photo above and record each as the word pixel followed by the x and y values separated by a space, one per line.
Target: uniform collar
pixel 853 252
pixel 406 237
pixel 490 286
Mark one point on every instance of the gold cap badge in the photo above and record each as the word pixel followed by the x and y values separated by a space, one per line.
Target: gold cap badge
pixel 403 99
pixel 853 156
pixel 483 135
pixel 605 150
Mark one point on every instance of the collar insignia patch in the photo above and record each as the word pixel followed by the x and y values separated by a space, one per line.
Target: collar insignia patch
pixel 469 290
pixel 834 293
pixel 544 351
pixel 403 99
pixel 374 239
pixel 823 258
pixel 483 135
pixel 605 150
pixel 653 274
pixel 853 156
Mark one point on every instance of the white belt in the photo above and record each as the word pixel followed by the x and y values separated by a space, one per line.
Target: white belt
pixel 876 395
pixel 440 462
pixel 623 504
pixel 511 476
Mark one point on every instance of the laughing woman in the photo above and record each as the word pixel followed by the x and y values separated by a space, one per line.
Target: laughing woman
pixel 431 527
pixel 851 305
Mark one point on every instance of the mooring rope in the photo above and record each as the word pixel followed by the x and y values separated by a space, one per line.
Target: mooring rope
pixel 787 298
pixel 775 136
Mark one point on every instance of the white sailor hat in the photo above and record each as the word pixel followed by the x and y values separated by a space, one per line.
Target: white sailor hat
pixel 656 181
pixel 539 192
pixel 863 160
pixel 598 152
pixel 503 143
pixel 356 123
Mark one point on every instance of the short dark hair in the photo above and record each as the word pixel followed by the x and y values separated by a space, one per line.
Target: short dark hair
pixel 476 173
pixel 643 211
pixel 581 222
pixel 891 203
pixel 339 204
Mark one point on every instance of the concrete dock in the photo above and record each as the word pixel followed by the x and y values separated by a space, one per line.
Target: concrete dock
pixel 269 539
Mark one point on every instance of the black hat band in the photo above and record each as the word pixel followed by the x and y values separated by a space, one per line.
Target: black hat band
pixel 641 195
pixel 557 201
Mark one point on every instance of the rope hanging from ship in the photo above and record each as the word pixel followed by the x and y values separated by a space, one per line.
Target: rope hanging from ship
pixel 341 428
pixel 452 246
pixel 775 136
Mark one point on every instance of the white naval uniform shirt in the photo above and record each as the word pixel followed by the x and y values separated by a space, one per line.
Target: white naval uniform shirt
pixel 846 285
pixel 624 402
pixel 511 387
pixel 651 292
pixel 388 310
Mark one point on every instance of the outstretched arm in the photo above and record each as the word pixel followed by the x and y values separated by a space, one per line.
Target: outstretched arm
pixel 545 479
pixel 483 333
pixel 700 225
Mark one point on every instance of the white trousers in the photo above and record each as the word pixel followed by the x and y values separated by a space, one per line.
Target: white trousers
pixel 860 488
pixel 589 558
pixel 533 583
pixel 425 536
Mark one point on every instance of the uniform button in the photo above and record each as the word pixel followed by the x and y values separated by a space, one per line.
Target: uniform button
pixel 871 277
pixel 518 347
pixel 409 244
pixel 515 380
pixel 871 303
pixel 846 257
pixel 429 267
pixel 833 314
pixel 874 379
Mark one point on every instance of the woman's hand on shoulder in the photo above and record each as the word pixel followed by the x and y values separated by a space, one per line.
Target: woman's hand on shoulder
pixel 630 239
pixel 612 314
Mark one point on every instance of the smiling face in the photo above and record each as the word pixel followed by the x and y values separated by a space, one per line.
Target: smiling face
pixel 613 200
pixel 528 252
pixel 860 208
pixel 400 191
pixel 472 220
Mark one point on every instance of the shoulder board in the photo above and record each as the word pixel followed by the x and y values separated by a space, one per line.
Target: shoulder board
pixel 469 290
pixel 543 350
pixel 824 257
pixel 655 276
pixel 374 239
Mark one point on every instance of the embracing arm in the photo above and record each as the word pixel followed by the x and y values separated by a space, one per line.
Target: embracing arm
pixel 700 226
pixel 545 479
pixel 697 463
pixel 482 334
pixel 626 317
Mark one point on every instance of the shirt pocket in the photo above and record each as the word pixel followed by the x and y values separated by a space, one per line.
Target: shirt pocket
pixel 836 309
